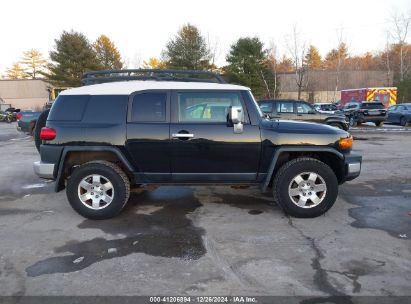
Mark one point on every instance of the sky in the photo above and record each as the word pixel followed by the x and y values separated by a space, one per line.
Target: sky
pixel 140 29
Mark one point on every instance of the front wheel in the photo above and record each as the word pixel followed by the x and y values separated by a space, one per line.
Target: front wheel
pixel 305 187
pixel 336 125
pixel 98 190
pixel 352 121
pixel 403 121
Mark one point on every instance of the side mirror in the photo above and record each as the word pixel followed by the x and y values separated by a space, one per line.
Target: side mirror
pixel 236 116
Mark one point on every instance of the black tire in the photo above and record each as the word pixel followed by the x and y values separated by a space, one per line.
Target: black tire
pixel 352 121
pixel 39 124
pixel 111 172
pixel 336 125
pixel 379 123
pixel 286 175
pixel 403 121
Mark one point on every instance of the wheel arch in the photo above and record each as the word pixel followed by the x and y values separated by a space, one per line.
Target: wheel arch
pixel 73 156
pixel 333 158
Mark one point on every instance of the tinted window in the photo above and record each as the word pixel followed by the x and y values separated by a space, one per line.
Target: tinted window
pixel 372 105
pixel 285 107
pixel 149 107
pixel 303 108
pixel 400 108
pixel 69 107
pixel 206 106
pixel 106 109
pixel 266 107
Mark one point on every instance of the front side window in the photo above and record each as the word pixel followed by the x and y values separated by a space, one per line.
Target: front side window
pixel 206 106
pixel 149 107
pixel 285 107
pixel 266 107
pixel 303 108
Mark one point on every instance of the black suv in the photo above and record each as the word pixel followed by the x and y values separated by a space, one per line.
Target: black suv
pixel 359 112
pixel 300 110
pixel 101 139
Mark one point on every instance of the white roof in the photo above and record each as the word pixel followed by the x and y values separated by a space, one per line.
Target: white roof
pixel 128 87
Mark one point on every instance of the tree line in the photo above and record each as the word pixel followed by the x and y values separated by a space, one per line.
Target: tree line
pixel 249 61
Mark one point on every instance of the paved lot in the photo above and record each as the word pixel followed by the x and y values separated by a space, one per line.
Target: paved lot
pixel 209 240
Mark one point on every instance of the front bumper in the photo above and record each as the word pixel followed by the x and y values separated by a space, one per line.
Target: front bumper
pixel 352 166
pixel 44 170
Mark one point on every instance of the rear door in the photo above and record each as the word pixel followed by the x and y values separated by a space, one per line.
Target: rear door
pixel 204 147
pixel 148 129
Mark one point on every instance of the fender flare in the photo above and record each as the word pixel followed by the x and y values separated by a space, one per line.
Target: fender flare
pixel 280 150
pixel 60 186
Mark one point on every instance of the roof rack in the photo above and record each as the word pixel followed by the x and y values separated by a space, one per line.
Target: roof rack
pixel 96 77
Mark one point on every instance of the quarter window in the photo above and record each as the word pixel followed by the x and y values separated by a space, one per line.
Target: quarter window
pixel 149 107
pixel 206 106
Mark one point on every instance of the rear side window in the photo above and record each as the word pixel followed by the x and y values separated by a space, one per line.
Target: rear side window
pixel 149 107
pixel 69 107
pixel 372 105
pixel 106 109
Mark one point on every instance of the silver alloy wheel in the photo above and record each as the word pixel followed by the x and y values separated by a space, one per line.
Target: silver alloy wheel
pixel 96 191
pixel 307 190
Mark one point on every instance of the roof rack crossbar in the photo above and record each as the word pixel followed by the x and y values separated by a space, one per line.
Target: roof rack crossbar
pixel 102 76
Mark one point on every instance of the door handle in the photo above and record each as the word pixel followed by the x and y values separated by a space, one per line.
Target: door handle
pixel 182 135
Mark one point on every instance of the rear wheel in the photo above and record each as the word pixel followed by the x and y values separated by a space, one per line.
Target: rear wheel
pixel 40 123
pixel 379 123
pixel 98 190
pixel 305 187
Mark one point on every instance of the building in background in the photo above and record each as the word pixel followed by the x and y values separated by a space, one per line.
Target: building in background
pixel 25 94
pixel 326 86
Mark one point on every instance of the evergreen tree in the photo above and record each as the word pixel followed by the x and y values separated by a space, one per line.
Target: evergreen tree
pixel 107 54
pixel 188 50
pixel 248 66
pixel 73 56
pixel 313 58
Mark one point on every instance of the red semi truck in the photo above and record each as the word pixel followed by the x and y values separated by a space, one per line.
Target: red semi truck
pixel 386 95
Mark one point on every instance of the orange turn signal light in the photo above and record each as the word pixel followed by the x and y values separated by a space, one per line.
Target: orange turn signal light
pixel 345 143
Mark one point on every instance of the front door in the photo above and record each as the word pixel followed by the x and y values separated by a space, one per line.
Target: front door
pixel 204 147
pixel 307 113
pixel 284 109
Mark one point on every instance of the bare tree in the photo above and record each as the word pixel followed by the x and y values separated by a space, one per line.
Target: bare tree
pixel 297 49
pixel 400 33
pixel 272 62
pixel 214 49
pixel 386 58
pixel 340 61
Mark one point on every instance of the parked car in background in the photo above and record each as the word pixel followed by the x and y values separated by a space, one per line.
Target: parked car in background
pixel 9 115
pixel 399 114
pixel 26 121
pixel 329 108
pixel 300 110
pixel 359 112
